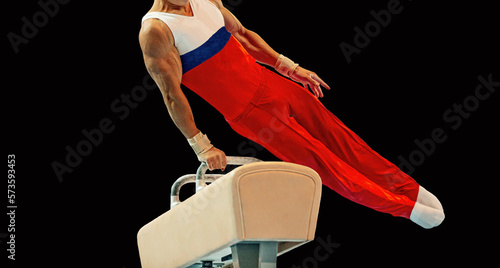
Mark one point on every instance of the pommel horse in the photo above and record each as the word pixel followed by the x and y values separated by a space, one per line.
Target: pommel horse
pixel 243 219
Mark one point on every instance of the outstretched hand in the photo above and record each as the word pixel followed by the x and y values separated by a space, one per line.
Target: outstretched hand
pixel 309 80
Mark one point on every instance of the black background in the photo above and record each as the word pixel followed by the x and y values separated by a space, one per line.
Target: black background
pixel 64 80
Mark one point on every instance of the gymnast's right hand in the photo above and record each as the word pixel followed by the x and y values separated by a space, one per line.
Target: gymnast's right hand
pixel 215 158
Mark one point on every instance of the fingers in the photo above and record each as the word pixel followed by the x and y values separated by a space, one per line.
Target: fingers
pixel 311 81
pixel 216 159
pixel 315 86
pixel 319 80
pixel 223 162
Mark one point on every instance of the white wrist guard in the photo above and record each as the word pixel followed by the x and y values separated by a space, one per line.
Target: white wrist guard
pixel 285 66
pixel 200 143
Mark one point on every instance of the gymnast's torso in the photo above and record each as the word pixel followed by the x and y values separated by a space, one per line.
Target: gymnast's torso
pixel 214 64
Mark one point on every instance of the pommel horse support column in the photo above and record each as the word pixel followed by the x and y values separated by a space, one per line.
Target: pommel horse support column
pixel 245 218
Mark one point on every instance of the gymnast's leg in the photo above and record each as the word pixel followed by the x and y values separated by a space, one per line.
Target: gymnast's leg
pixel 314 137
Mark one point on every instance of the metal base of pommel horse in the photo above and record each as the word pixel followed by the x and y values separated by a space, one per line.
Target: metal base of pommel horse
pixel 243 219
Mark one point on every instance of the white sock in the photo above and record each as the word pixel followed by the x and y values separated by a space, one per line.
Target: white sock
pixel 425 216
pixel 428 199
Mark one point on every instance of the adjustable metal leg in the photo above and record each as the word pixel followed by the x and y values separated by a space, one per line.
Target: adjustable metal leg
pixel 268 253
pixel 245 255
pixel 255 255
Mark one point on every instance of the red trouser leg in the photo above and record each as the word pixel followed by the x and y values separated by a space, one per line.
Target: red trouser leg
pixel 329 130
pixel 295 127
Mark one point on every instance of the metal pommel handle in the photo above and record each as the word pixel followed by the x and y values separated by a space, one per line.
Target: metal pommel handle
pixel 201 178
pixel 231 160
pixel 176 187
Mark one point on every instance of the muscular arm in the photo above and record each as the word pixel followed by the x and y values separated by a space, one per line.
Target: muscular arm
pixel 263 53
pixel 164 65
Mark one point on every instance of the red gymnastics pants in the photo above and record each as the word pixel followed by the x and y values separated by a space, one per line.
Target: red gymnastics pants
pixel 292 124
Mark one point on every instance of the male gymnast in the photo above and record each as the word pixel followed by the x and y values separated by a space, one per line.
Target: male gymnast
pixel 200 44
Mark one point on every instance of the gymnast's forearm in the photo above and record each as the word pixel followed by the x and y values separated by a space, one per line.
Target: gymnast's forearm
pixel 180 112
pixel 257 47
pixel 176 102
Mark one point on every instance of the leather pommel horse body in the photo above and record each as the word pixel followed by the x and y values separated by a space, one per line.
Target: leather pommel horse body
pixel 246 218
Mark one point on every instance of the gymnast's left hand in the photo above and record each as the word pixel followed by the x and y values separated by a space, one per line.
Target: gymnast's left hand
pixel 309 80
